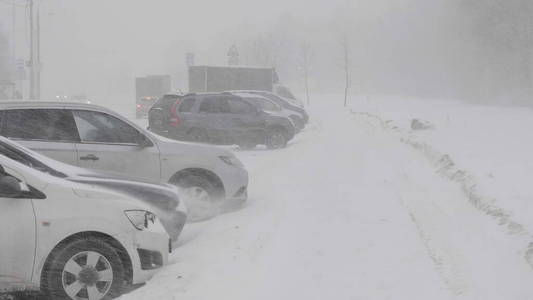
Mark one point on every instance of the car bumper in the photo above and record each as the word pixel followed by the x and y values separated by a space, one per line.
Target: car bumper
pixel 235 180
pixel 149 253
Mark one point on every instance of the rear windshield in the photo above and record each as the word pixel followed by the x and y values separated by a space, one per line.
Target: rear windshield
pixel 166 102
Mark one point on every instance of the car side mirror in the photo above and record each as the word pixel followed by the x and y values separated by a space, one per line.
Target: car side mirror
pixel 143 141
pixel 10 187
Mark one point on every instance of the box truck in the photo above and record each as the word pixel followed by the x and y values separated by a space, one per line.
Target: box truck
pixel 231 78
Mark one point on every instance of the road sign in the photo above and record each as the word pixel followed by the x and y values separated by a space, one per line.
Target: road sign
pixel 20 69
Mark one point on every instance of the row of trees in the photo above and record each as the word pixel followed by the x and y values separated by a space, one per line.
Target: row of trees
pixel 478 50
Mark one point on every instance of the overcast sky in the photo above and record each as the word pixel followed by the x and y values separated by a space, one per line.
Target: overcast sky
pixel 81 38
pixel 447 48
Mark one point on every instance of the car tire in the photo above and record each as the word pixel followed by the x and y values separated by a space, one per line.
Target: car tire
pixel 197 135
pixel 200 196
pixel 86 268
pixel 276 139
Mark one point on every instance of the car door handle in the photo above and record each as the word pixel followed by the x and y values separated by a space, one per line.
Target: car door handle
pixel 90 157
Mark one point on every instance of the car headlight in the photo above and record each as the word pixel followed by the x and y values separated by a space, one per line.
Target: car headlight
pixel 231 160
pixel 140 219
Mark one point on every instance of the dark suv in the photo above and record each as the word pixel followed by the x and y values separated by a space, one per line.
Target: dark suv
pixel 226 119
pixel 160 113
pixel 299 116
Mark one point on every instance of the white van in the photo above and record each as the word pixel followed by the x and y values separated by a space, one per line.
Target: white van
pixel 71 240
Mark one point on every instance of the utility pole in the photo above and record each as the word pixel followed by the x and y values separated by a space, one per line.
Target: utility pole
pixel 32 55
pixel 38 57
pixel 13 30
pixel 13 42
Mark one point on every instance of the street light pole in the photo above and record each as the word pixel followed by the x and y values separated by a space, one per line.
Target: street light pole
pixel 38 57
pixel 13 30
pixel 32 54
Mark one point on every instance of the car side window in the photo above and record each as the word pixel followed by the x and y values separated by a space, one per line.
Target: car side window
pixel 40 124
pixel 240 107
pixel 98 127
pixel 186 105
pixel 265 104
pixel 214 105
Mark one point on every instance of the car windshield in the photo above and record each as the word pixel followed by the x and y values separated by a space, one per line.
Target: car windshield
pixel 28 160
pixel 274 98
pixel 285 93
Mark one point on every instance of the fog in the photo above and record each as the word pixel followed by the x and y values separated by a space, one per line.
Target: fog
pixel 387 157
pixel 462 49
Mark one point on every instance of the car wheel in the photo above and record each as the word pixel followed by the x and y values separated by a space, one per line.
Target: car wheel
pixel 200 196
pixel 276 139
pixel 198 135
pixel 83 269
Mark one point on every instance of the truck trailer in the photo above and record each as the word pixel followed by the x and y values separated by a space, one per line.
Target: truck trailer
pixel 215 79
pixel 148 89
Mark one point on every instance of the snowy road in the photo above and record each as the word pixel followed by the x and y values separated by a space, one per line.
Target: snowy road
pixel 358 216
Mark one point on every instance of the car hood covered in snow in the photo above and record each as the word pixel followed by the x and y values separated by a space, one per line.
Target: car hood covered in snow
pixel 163 196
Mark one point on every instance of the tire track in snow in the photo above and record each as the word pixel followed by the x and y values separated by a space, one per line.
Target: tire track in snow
pixel 466 247
pixel 446 167
pixel 446 259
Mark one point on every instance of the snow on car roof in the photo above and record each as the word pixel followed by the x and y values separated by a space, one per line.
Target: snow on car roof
pixel 249 95
pixel 47 104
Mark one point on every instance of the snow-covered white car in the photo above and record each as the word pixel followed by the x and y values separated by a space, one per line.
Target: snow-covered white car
pixel 71 240
pixel 96 138
pixel 162 199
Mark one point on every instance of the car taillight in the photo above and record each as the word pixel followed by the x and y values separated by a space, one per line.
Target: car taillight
pixel 174 119
pixel 139 106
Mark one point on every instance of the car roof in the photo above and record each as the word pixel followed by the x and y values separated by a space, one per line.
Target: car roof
pixel 249 95
pixel 255 92
pixel 204 94
pixel 49 104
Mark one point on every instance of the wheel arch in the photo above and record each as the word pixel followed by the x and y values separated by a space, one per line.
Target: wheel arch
pixel 121 251
pixel 209 175
pixel 278 127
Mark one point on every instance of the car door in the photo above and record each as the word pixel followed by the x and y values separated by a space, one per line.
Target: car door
pixel 246 120
pixel 17 238
pixel 108 143
pixel 51 132
pixel 213 115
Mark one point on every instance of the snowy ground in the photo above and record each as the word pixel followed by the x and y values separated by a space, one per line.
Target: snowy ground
pixel 348 211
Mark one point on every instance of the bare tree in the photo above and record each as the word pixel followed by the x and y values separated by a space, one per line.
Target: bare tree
pixel 345 45
pixel 4 57
pixel 306 55
pixel 5 67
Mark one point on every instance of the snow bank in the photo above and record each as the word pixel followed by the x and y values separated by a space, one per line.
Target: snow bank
pixel 485 149
pixel 348 211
